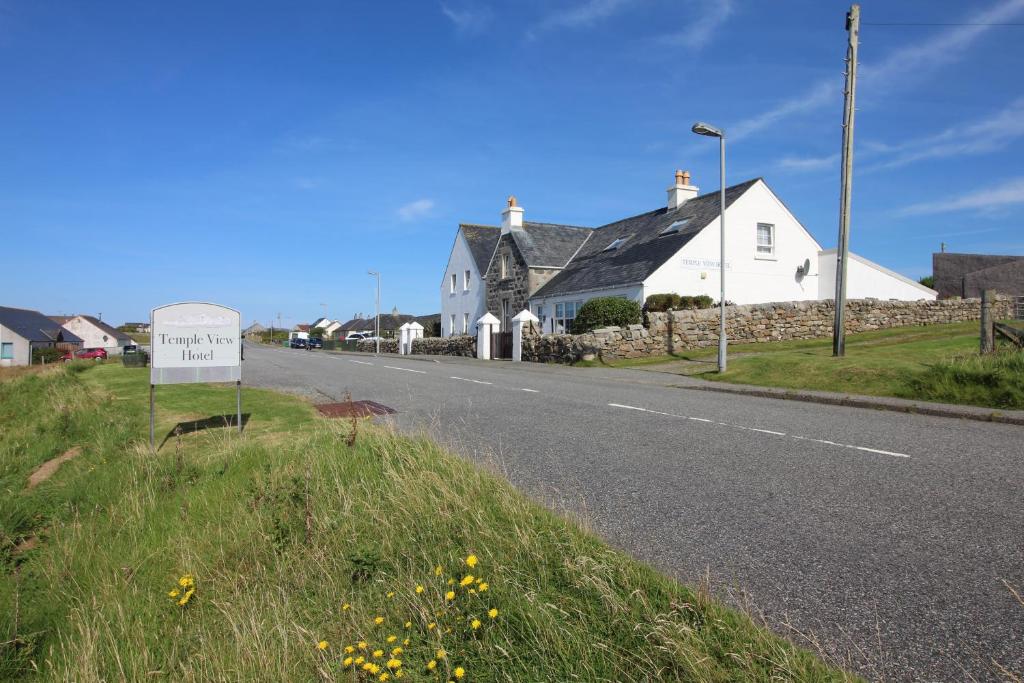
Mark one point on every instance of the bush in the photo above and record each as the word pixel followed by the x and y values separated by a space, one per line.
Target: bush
pixel 605 311
pixel 46 355
pixel 658 303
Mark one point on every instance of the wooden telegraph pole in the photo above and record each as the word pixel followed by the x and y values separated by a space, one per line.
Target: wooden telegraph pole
pixel 842 249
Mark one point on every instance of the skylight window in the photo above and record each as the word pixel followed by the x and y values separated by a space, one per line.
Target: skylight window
pixel 674 228
pixel 616 244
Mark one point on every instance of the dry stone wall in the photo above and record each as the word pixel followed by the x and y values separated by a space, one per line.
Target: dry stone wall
pixel 458 345
pixel 680 330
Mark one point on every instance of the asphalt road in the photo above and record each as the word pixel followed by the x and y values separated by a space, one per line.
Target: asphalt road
pixel 885 537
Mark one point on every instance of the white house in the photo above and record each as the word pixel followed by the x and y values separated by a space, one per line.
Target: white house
pixel 770 256
pixel 94 333
pixel 463 288
pixel 22 330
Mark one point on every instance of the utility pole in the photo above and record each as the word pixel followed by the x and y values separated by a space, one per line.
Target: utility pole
pixel 842 249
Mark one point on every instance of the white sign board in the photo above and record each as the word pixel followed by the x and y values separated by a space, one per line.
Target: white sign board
pixel 195 342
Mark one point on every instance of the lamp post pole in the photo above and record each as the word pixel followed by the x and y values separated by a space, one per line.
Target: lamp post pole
pixel 713 132
pixel 377 323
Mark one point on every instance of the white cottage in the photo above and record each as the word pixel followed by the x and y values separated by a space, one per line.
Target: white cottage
pixel 95 333
pixel 463 288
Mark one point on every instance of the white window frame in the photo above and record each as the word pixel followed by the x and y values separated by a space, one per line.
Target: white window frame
pixel 451 328
pixel 7 346
pixel 562 321
pixel 465 323
pixel 465 280
pixel 504 266
pixel 453 283
pixel 770 254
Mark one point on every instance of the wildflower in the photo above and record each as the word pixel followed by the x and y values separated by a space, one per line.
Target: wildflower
pixel 361 645
pixel 378 620
pixel 406 642
pixel 186 581
pixel 345 607
pixel 398 673
pixel 450 595
pixel 391 594
pixel 431 626
pixel 471 561
pixel 451 581
pixel 392 639
pixel 349 649
pixel 186 597
pixel 483 587
pixel 378 653
pixel 492 613
pixel 347 661
pixel 419 589
pixel 393 663
pixel 322 645
pixel 472 591
pixel 408 624
pixel 479 579
pixel 459 672
pixel 475 624
pixel 466 580
pixel 384 676
pixel 396 651
pixel 432 664
pixel 437 570
pixel 359 659
pixel 441 654
pixel 173 594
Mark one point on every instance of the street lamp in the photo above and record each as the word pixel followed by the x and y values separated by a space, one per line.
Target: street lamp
pixel 712 132
pixel 377 334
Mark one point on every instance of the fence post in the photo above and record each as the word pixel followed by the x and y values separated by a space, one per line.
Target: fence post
pixel 522 318
pixel 414 332
pixel 483 335
pixel 988 342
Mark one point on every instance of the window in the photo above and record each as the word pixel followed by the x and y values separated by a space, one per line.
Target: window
pixel 465 321
pixel 616 243
pixel 504 314
pixel 539 311
pixel 504 266
pixel 451 329
pixel 7 350
pixel 452 289
pixel 564 315
pixel 465 281
pixel 674 228
pixel 765 239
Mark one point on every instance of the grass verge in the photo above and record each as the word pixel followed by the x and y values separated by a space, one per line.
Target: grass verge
pixel 294 543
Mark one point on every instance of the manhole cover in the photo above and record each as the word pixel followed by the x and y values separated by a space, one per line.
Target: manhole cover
pixel 354 409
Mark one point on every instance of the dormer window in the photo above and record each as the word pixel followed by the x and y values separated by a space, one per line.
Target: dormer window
pixel 616 243
pixel 674 228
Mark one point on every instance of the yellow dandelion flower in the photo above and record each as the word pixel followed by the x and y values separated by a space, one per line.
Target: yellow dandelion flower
pixel 420 589
pixel 367 666
pixel 360 659
pixel 459 672
pixel 384 676
pixel 392 639
pixel 174 593
pixel 451 581
pixel 378 653
pixel 466 580
pixel 396 651
pixel 347 661
pixel 437 570
pixel 398 673
pixel 408 624
pixel 471 561
pixel 186 597
pixel 374 668
pixel 483 587
pixel 345 607
pixel 394 663
pixel 378 620
pixel 479 579
pixel 322 645
pixel 492 613
pixel 450 595
pixel 391 594
pixel 186 581
pixel 475 624
pixel 432 664
pixel 349 649
pixel 431 626
pixel 441 654
pixel 472 591
pixel 406 642
pixel 361 645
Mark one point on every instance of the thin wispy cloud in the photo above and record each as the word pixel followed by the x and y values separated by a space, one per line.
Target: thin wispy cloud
pixel 910 61
pixel 305 183
pixel 1009 193
pixel 468 19
pixel 580 15
pixel 416 210
pixel 809 163
pixel 700 32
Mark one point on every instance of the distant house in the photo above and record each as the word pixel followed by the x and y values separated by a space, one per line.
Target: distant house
pixel 23 330
pixel 320 323
pixel 463 291
pixel 253 330
pixel 332 329
pixel 139 328
pixel 94 333
pixel 554 269
pixel 967 275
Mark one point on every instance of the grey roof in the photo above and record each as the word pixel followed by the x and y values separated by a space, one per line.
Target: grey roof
pixel 950 270
pixel 644 249
pixel 548 244
pixel 34 326
pixel 481 240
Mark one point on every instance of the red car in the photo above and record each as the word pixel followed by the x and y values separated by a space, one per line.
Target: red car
pixel 81 354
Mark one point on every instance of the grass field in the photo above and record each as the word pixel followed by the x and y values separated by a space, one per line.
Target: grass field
pixel 935 363
pixel 295 544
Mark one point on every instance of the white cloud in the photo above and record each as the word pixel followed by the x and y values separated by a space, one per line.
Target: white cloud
pixel 468 19
pixel 582 15
pixel 700 32
pixel 809 163
pixel 822 93
pixel 306 183
pixel 1007 194
pixel 415 210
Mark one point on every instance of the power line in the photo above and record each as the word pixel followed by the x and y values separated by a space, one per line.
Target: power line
pixel 950 23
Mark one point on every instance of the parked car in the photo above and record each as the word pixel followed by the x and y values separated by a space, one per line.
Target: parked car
pixel 298 343
pixel 356 336
pixel 130 348
pixel 315 343
pixel 82 354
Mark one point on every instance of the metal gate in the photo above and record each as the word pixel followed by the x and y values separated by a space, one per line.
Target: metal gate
pixel 1018 312
pixel 501 345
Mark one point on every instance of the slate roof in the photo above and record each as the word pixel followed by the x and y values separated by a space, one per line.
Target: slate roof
pixel 949 270
pixel 482 239
pixel 644 250
pixel 34 326
pixel 548 244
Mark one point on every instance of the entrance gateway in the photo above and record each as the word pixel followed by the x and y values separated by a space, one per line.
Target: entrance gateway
pixel 194 342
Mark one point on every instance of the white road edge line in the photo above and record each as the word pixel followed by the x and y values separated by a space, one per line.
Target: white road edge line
pixel 764 431
pixel 361 362
pixel 392 367
pixel 532 391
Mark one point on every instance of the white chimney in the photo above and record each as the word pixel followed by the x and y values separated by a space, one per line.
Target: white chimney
pixel 512 216
pixel 682 191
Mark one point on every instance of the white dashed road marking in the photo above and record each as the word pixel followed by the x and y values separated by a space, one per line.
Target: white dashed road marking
pixel 475 381
pixel 361 362
pixel 532 391
pixel 763 431
pixel 392 367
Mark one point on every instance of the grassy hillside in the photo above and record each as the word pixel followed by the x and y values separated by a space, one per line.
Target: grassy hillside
pixel 267 556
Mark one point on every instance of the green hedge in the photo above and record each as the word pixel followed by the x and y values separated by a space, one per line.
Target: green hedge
pixel 606 311
pixel 658 303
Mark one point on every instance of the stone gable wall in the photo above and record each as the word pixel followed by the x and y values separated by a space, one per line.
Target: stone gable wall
pixel 516 287
pixel 680 330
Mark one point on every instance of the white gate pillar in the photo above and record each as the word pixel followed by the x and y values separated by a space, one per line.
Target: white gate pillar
pixel 485 326
pixel 403 339
pixel 522 318
pixel 415 331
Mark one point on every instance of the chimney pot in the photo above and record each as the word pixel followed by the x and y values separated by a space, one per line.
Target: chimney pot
pixel 682 191
pixel 511 200
pixel 512 216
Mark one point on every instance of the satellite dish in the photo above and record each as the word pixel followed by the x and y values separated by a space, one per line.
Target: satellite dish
pixel 805 268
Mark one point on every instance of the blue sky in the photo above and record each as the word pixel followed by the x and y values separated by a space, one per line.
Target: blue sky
pixel 264 155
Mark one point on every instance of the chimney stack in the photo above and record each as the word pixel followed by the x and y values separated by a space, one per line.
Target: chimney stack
pixel 682 191
pixel 512 216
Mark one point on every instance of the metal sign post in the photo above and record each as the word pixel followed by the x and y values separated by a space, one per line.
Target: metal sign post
pixel 194 342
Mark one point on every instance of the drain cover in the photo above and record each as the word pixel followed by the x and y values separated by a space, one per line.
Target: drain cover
pixel 354 409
